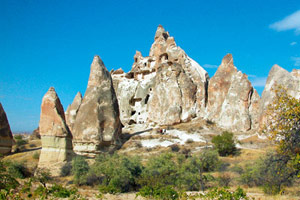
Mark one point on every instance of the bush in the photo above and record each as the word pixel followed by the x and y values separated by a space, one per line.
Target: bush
pixel 224 194
pixel 224 143
pixel 36 156
pixel 66 169
pixel 116 173
pixel 164 193
pixel 224 180
pixel 80 169
pixel 61 192
pixel 209 160
pixel 7 181
pixel 17 169
pixel 270 172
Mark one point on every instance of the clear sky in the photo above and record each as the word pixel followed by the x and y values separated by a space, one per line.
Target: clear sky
pixel 47 43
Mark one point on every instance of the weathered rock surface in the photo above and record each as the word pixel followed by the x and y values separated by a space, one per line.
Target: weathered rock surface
pixel 165 88
pixel 72 110
pixel 55 134
pixel 97 125
pixel 232 101
pixel 278 76
pixel 6 137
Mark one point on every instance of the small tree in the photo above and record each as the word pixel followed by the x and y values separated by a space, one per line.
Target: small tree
pixel 80 169
pixel 283 125
pixel 224 144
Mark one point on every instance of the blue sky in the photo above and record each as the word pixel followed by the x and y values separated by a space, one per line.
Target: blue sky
pixel 52 43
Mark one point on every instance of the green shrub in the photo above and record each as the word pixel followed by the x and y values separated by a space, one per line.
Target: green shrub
pixel 163 193
pixel 209 160
pixel 116 173
pixel 271 172
pixel 18 137
pixel 36 156
pixel 159 171
pixel 32 145
pixel 225 194
pixel 61 192
pixel 43 176
pixel 7 181
pixel 237 169
pixel 17 169
pixel 80 170
pixel 224 144
pixel 66 169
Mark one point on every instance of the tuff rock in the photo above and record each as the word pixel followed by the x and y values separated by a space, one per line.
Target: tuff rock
pixel 72 110
pixel 6 137
pixel 97 125
pixel 165 88
pixel 278 76
pixel 232 101
pixel 55 134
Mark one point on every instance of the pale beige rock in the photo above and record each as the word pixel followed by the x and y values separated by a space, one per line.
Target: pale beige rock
pixel 72 111
pixel 55 135
pixel 6 137
pixel 278 76
pixel 230 97
pixel 97 125
pixel 141 91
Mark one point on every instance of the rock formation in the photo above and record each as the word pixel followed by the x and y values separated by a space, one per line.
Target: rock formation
pixel 278 76
pixel 72 111
pixel 232 101
pixel 6 137
pixel 97 125
pixel 55 135
pixel 165 88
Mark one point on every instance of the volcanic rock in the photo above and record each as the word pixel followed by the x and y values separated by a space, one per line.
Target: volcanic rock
pixel 6 137
pixel 230 95
pixel 165 88
pixel 72 111
pixel 97 125
pixel 55 134
pixel 278 76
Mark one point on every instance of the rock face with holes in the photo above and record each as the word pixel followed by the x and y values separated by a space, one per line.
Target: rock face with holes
pixel 278 76
pixel 165 88
pixel 97 125
pixel 55 135
pixel 233 103
pixel 6 137
pixel 72 111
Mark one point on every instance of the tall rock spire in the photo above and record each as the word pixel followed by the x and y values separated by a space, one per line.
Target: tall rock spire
pixel 55 134
pixel 97 125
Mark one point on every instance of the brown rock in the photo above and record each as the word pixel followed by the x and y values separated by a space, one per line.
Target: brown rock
pixel 97 125
pixel 55 135
pixel 6 137
pixel 230 96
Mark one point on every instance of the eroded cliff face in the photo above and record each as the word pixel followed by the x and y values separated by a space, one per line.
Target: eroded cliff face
pixel 232 101
pixel 55 135
pixel 165 88
pixel 6 137
pixel 278 76
pixel 97 125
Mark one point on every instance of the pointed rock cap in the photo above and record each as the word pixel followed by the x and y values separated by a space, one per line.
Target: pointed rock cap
pixel 160 32
pixel 276 68
pixel 98 72
pixel 227 60
pixel 78 97
pixel 4 125
pixel 119 71
pixel 52 119
pixel 137 56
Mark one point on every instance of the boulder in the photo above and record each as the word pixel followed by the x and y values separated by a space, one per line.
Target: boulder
pixel 6 137
pixel 232 101
pixel 55 135
pixel 97 126
pixel 278 76
pixel 72 110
